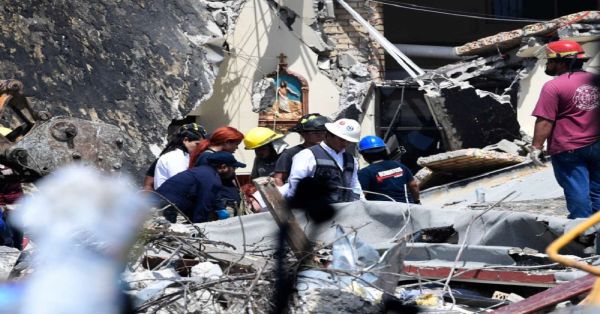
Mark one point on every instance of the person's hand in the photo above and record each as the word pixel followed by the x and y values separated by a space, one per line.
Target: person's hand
pixel 222 214
pixel 535 154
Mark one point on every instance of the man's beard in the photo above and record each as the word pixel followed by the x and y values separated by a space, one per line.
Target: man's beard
pixel 227 176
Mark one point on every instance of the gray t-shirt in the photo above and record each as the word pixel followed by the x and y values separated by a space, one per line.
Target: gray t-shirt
pixel 284 163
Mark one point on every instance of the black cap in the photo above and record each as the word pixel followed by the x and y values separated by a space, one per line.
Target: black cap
pixel 224 158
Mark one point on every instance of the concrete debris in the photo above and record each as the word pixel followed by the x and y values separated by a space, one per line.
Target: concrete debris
pixel 325 300
pixel 508 40
pixel 140 280
pixel 514 148
pixel 8 259
pixel 345 61
pixel 324 64
pixel 263 94
pixel 207 270
pixel 580 32
pixel 469 160
pixel 354 91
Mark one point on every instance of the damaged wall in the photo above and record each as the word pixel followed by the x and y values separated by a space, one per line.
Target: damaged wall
pixel 332 55
pixel 134 64
pixel 260 36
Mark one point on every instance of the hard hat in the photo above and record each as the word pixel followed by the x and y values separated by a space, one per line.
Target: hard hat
pixel 310 122
pixel 260 136
pixel 194 128
pixel 370 142
pixel 564 49
pixel 347 129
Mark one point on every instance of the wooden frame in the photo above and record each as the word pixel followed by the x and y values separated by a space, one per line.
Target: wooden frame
pixel 272 118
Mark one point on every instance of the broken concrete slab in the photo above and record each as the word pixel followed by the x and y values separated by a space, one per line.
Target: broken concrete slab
pixel 345 61
pixel 8 259
pixel 507 40
pixel 530 183
pixel 470 160
pixel 507 147
pixel 263 94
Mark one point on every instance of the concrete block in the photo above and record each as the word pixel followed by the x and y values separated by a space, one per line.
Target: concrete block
pixel 207 270
pixel 345 61
pixel 8 259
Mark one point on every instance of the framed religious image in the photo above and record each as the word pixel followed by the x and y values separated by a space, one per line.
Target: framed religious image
pixel 284 98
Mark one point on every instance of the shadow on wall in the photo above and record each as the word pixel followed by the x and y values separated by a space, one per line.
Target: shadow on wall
pixel 253 54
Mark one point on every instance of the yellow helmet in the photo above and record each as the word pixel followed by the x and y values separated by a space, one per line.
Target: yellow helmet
pixel 260 136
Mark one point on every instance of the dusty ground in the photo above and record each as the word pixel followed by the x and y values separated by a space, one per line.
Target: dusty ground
pixel 551 207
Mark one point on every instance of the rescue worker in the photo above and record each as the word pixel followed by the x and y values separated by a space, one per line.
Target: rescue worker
pixel 385 176
pixel 194 191
pixel 176 156
pixel 312 129
pixel 567 117
pixel 267 146
pixel 225 138
pixel 329 162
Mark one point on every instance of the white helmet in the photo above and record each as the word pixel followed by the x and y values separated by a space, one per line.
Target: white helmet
pixel 347 129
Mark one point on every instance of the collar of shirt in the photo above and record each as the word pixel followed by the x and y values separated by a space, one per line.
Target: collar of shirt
pixel 338 157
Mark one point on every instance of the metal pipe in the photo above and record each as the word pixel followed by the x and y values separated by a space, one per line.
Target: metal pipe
pixel 429 51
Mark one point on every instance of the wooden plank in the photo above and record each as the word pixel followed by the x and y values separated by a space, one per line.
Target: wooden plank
pixel 550 297
pixel 505 277
pixel 283 216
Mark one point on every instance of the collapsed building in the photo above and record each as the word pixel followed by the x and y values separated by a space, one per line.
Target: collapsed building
pixel 223 64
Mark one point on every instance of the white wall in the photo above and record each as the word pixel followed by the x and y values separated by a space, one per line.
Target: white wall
pixel 529 92
pixel 531 86
pixel 259 37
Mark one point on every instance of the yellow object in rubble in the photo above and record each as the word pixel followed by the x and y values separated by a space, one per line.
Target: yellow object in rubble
pixel 552 250
pixel 4 131
pixel 427 299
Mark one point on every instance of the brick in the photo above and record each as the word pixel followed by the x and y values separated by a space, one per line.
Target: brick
pixel 343 41
pixel 332 30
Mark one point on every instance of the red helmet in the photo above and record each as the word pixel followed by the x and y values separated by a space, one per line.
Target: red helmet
pixel 564 49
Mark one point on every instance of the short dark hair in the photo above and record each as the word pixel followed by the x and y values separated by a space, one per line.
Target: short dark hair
pixel 375 154
pixel 574 64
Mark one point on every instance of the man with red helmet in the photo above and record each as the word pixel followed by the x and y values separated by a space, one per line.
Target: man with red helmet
pixel 567 114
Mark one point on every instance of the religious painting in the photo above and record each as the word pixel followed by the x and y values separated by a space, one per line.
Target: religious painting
pixel 285 99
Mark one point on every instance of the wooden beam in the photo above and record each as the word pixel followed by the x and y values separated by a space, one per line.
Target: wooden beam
pixel 277 205
pixel 550 297
pixel 499 277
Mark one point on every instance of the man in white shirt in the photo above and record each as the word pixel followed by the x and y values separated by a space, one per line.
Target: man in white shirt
pixel 329 163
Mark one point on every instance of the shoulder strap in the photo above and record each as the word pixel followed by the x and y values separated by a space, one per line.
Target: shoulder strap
pixel 322 157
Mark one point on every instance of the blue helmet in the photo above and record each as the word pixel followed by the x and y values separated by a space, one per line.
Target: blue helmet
pixel 370 142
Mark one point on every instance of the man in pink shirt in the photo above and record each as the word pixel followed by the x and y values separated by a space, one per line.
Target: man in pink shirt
pixel 568 119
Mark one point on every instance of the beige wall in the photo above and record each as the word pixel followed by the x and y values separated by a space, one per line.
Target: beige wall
pixel 531 86
pixel 529 92
pixel 259 37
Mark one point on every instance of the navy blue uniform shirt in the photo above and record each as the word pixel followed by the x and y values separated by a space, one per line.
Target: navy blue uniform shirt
pixel 388 177
pixel 193 191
